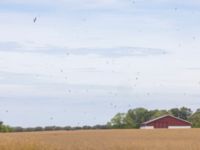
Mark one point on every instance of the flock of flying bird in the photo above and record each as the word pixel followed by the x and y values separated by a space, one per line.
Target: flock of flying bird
pixel 111 104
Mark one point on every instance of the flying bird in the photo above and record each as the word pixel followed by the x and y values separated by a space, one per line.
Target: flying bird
pixel 35 19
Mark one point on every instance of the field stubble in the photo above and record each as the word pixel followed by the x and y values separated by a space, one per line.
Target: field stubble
pixel 182 139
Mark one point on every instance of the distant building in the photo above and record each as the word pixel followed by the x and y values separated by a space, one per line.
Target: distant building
pixel 166 121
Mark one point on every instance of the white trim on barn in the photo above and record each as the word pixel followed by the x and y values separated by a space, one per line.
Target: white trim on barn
pixel 147 127
pixel 179 127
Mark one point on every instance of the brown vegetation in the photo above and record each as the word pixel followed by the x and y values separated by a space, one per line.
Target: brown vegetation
pixel 182 139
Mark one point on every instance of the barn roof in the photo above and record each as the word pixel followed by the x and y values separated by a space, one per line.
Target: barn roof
pixel 150 121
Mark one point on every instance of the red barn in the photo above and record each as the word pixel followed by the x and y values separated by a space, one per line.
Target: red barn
pixel 166 121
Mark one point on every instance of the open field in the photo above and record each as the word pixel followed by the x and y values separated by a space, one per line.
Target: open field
pixel 182 139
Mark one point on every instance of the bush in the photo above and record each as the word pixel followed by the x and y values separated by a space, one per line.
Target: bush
pixel 4 128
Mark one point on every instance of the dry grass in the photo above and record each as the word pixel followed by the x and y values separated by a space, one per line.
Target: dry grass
pixel 103 140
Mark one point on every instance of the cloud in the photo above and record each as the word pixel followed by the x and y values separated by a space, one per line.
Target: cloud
pixel 118 51
pixel 24 5
pixel 20 78
pixel 193 68
pixel 9 46
pixel 58 3
pixel 106 52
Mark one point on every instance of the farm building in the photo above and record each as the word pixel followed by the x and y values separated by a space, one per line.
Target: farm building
pixel 166 121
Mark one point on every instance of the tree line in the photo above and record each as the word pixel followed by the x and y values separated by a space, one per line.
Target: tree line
pixel 131 119
pixel 134 117
pixel 6 128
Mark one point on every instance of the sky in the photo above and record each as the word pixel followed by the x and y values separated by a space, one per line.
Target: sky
pixel 82 61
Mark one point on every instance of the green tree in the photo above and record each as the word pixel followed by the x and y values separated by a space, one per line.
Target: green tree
pixel 129 121
pixel 157 113
pixel 117 121
pixel 198 110
pixel 175 112
pixel 185 113
pixel 195 119
pixel 135 117
pixel 4 128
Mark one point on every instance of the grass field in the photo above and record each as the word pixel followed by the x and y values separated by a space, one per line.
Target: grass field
pixel 182 139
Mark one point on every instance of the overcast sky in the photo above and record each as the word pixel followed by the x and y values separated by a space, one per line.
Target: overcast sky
pixel 82 61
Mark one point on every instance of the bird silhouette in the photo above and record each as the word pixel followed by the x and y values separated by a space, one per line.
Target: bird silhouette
pixel 35 19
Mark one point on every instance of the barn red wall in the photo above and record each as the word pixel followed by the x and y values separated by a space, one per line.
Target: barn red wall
pixel 168 121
